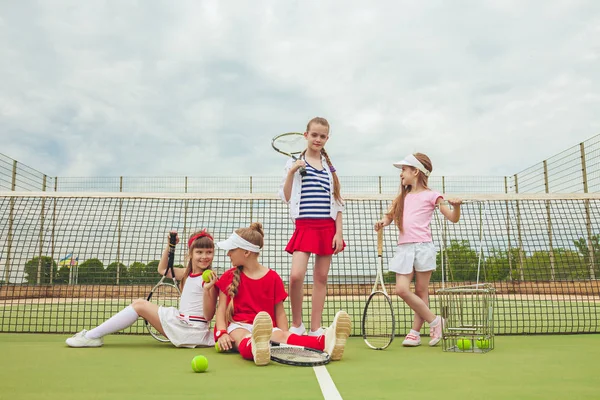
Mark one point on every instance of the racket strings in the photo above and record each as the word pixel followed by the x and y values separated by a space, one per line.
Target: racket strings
pixel 298 355
pixel 378 321
pixel 290 144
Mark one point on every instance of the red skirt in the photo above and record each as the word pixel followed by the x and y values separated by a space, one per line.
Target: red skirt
pixel 313 236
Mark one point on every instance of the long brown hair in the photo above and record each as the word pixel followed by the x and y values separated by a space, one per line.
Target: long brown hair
pixel 204 242
pixel 396 211
pixel 336 181
pixel 255 235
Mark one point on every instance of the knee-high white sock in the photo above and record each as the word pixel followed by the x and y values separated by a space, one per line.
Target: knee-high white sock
pixel 121 320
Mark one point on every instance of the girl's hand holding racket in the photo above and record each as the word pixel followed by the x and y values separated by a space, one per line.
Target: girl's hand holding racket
pixel 297 165
pixel 338 243
pixel 379 225
pixel 176 237
pixel 225 342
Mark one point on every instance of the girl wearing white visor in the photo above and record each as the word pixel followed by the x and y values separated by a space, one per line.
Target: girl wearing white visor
pixel 415 255
pixel 250 312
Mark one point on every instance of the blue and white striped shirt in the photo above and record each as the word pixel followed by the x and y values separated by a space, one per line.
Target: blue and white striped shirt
pixel 315 195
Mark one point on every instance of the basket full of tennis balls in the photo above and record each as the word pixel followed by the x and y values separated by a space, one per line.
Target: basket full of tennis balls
pixel 473 344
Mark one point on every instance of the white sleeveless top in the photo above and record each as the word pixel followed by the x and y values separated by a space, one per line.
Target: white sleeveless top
pixel 192 298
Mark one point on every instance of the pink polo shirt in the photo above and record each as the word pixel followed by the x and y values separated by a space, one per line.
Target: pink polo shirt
pixel 418 210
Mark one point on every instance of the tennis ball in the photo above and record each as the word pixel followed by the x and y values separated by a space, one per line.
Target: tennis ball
pixel 463 344
pixel 482 343
pixel 199 363
pixel 217 348
pixel 206 276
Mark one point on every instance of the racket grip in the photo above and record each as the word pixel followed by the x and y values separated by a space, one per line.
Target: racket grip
pixel 172 239
pixel 302 171
pixel 380 242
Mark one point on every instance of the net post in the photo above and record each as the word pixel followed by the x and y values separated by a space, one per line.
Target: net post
pixel 53 232
pixel 508 255
pixel 251 202
pixel 185 210
pixel 588 220
pixel 380 189
pixel 118 277
pixel 519 237
pixel 41 237
pixel 551 251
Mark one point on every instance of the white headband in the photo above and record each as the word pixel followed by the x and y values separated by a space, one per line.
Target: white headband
pixel 235 241
pixel 413 162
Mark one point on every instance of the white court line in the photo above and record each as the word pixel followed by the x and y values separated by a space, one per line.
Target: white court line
pixel 328 388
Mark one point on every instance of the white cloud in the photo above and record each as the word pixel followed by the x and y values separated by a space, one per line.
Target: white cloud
pixel 166 88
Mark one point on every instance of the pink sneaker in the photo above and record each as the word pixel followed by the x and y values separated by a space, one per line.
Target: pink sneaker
pixel 435 330
pixel 412 340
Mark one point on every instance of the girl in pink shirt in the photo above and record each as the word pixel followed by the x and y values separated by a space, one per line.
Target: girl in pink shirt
pixel 416 255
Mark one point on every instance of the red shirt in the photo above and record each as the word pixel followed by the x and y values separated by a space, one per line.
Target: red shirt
pixel 254 295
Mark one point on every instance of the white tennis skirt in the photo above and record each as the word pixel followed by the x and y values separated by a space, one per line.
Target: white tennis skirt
pixel 182 332
pixel 411 257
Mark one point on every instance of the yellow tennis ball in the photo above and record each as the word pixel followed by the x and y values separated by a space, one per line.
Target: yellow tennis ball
pixel 206 276
pixel 464 344
pixel 199 363
pixel 217 348
pixel 482 343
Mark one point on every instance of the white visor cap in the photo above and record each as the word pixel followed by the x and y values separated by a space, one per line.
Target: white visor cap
pixel 235 241
pixel 412 161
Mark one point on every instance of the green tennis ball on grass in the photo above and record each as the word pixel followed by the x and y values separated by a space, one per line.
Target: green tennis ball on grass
pixel 199 363
pixel 482 343
pixel 217 348
pixel 206 275
pixel 463 344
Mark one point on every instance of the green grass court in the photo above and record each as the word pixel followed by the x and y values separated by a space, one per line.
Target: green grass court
pixel 41 366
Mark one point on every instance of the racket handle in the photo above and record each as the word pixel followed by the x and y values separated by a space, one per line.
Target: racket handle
pixel 380 242
pixel 172 241
pixel 302 171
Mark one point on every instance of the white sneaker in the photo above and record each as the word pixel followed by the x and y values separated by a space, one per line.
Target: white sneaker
pixel 262 328
pixel 318 332
pixel 79 340
pixel 412 340
pixel 336 335
pixel 435 330
pixel 300 330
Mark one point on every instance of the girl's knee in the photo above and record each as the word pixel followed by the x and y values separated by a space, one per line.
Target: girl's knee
pixel 320 278
pixel 138 304
pixel 296 278
pixel 402 291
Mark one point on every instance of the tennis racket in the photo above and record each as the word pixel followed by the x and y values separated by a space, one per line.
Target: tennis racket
pixel 290 144
pixel 378 323
pixel 164 293
pixel 298 355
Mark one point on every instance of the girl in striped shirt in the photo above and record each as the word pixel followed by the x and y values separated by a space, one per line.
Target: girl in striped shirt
pixel 316 207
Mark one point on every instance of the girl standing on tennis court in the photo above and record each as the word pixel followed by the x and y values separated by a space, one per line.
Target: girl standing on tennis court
pixel 184 327
pixel 415 255
pixel 316 207
pixel 250 312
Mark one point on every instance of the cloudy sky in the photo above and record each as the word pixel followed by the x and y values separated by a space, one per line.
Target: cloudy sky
pixel 147 88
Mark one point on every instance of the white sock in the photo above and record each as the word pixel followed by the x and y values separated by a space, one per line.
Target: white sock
pixel 413 332
pixel 435 321
pixel 121 320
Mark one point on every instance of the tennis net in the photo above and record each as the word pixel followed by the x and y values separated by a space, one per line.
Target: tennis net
pixel 70 260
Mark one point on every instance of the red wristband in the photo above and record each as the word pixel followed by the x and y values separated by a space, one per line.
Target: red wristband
pixel 219 333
